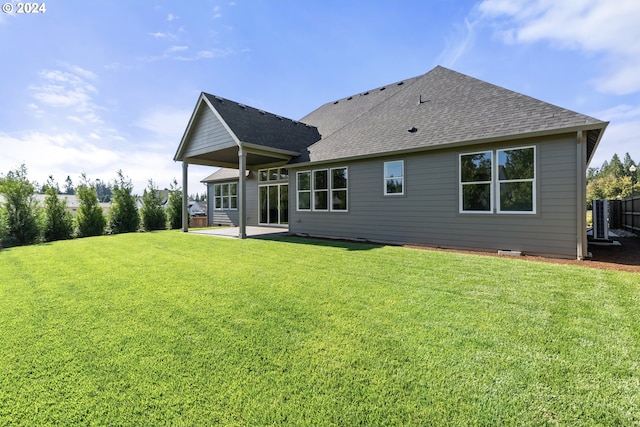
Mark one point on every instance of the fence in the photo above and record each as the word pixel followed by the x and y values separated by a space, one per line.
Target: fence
pixel 625 213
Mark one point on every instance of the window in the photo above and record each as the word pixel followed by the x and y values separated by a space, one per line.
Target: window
pixel 394 178
pixel 304 190
pixel 514 181
pixel 320 190
pixel 273 174
pixel 225 196
pixel 339 180
pixel 475 182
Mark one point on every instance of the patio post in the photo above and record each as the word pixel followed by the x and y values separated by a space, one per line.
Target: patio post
pixel 242 194
pixel 581 196
pixel 185 196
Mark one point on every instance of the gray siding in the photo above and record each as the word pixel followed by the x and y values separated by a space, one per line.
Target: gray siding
pixel 207 134
pixel 231 217
pixel 428 212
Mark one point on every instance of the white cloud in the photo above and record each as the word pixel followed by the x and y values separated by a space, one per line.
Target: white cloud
pixel 166 123
pixel 161 35
pixel 171 17
pixel 57 88
pixel 619 138
pixel 594 26
pixel 464 40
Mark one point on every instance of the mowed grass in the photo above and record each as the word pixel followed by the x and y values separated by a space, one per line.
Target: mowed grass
pixel 168 328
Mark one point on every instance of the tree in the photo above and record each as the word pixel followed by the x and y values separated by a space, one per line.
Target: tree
pixel 174 208
pixel 68 186
pixel 611 181
pixel 20 208
pixel 123 216
pixel 58 223
pixel 90 219
pixel 103 192
pixel 152 212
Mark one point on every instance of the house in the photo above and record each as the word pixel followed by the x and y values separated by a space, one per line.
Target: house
pixel 441 159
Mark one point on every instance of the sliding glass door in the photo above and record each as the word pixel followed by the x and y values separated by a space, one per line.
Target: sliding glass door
pixel 274 204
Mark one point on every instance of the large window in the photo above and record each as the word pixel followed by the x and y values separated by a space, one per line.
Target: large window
pixel 304 190
pixel 475 182
pixel 225 196
pixel 322 190
pixel 510 173
pixel 516 180
pixel 339 178
pixel 394 178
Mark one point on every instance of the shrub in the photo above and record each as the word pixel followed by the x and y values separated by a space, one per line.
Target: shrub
pixel 152 212
pixel 90 219
pixel 20 208
pixel 174 208
pixel 58 223
pixel 123 216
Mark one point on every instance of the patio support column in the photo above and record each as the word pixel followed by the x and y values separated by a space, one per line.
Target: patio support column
pixel 242 194
pixel 581 195
pixel 185 196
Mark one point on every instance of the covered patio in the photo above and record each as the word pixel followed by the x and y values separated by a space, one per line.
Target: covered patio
pixel 226 134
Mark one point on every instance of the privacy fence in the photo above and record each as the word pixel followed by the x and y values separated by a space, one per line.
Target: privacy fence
pixel 625 214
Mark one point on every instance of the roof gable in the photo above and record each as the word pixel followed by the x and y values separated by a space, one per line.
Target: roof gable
pixel 441 107
pixel 262 128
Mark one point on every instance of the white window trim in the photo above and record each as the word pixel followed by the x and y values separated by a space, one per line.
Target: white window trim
pixel 461 184
pixel 495 183
pixel 313 190
pixel 228 197
pixel 385 178
pixel 498 181
pixel 331 189
pixel 298 191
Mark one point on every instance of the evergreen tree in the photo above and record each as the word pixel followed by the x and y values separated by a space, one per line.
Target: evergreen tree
pixel 20 208
pixel 174 209
pixel 103 192
pixel 90 219
pixel 123 216
pixel 68 186
pixel 152 212
pixel 58 220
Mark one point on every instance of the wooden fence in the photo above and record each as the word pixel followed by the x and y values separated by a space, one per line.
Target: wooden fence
pixel 625 214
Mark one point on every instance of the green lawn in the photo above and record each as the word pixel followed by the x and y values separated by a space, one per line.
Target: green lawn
pixel 168 328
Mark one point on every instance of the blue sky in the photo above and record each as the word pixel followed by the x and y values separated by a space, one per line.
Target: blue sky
pixel 97 86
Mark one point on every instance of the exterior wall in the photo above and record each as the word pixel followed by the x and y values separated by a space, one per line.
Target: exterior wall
pixel 428 212
pixel 231 217
pixel 207 134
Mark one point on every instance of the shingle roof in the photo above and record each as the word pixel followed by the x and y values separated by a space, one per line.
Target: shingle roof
pixel 223 174
pixel 255 126
pixel 440 107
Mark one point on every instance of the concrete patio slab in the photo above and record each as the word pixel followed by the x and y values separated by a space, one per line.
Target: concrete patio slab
pixel 233 232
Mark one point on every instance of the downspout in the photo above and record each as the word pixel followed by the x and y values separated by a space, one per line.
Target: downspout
pixel 185 196
pixel 581 196
pixel 242 190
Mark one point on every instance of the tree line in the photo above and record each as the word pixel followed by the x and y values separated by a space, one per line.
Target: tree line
pixel 23 221
pixel 612 180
